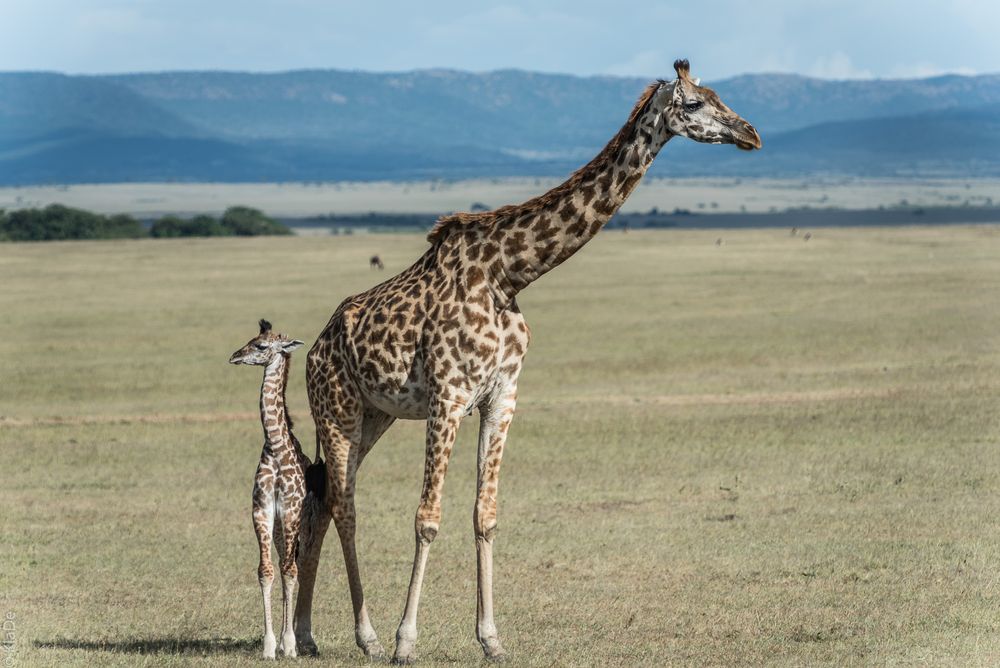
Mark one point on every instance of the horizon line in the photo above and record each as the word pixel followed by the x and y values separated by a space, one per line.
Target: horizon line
pixel 453 70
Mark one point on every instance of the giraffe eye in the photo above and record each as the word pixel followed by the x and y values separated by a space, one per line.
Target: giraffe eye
pixel 261 346
pixel 694 105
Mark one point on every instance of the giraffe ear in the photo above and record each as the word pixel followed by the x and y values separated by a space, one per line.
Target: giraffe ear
pixel 265 326
pixel 289 346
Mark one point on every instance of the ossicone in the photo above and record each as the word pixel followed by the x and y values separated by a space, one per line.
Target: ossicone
pixel 683 69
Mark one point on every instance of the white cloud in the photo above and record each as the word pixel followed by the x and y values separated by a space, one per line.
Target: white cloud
pixel 837 66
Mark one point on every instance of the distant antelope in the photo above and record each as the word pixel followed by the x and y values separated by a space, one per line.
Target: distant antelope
pixel 376 263
pixel 807 236
pixel 719 241
pixel 795 231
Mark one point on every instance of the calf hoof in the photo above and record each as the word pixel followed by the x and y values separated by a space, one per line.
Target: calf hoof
pixel 269 647
pixel 287 646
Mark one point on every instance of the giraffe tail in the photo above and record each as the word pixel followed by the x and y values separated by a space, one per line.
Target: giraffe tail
pixel 314 505
pixel 316 481
pixel 312 510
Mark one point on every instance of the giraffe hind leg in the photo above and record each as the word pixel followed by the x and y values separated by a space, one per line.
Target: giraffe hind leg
pixel 315 524
pixel 343 450
pixel 345 432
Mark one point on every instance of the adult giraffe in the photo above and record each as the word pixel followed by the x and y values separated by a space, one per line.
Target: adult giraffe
pixel 445 337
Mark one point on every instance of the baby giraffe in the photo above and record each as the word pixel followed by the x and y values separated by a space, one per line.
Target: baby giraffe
pixel 279 490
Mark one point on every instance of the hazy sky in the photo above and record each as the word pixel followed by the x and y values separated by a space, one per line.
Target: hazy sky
pixel 826 38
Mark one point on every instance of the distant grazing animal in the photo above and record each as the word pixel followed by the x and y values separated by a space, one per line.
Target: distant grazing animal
pixel 795 231
pixel 807 236
pixel 280 490
pixel 376 263
pixel 719 241
pixel 446 337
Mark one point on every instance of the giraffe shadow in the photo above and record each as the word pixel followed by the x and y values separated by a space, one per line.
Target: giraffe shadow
pixel 177 646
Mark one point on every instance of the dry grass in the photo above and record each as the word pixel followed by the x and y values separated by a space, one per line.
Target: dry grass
pixel 769 452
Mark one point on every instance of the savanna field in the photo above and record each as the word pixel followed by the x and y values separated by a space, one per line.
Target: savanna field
pixel 769 451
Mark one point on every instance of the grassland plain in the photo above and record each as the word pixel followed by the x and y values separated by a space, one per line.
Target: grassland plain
pixel 766 452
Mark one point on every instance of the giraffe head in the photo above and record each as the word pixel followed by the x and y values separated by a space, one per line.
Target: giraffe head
pixel 262 349
pixel 697 113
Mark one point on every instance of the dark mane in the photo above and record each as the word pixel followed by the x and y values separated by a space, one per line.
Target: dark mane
pixel 445 225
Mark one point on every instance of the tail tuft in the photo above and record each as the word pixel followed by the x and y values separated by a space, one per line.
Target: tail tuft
pixel 314 506
pixel 316 481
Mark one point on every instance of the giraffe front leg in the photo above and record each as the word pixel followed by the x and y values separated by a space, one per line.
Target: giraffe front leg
pixel 442 427
pixel 263 520
pixel 494 422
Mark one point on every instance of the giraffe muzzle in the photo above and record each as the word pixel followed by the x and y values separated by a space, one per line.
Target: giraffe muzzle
pixel 745 137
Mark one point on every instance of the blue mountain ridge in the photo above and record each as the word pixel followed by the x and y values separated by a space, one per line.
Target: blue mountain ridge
pixel 339 125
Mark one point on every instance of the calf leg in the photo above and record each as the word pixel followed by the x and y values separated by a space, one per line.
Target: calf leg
pixel 263 522
pixel 287 543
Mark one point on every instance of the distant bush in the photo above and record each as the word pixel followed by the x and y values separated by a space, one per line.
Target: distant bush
pixel 199 226
pixel 244 221
pixel 62 222
pixel 241 221
pixel 56 222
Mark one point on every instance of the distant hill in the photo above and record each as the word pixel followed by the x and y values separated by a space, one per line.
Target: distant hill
pixel 37 104
pixel 330 124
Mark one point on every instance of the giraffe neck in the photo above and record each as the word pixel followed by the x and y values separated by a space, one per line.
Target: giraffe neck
pixel 549 230
pixel 273 415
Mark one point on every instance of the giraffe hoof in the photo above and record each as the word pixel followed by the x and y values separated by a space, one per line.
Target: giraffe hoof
pixel 493 651
pixel 307 646
pixel 373 649
pixel 406 653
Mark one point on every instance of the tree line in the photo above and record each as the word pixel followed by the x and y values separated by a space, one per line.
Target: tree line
pixel 58 222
